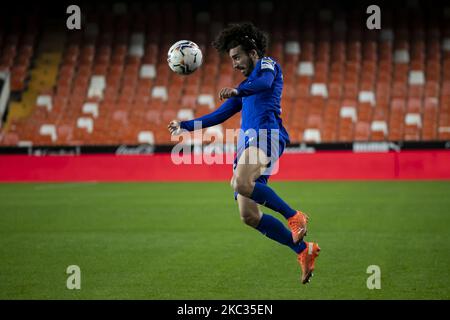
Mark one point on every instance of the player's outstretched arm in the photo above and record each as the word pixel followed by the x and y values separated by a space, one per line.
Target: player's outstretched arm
pixel 225 111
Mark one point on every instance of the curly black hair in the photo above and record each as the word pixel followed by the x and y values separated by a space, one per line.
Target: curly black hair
pixel 244 34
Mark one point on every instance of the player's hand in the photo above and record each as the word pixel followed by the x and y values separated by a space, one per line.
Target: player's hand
pixel 174 127
pixel 226 93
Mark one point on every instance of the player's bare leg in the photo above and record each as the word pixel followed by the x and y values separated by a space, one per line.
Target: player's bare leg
pixel 249 211
pixel 250 166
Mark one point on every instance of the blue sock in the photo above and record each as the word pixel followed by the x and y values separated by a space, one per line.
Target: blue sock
pixel 265 196
pixel 276 230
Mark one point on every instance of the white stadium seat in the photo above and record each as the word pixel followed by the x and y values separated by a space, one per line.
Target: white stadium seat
pixel 312 135
pixel 379 126
pixel 25 143
pixel 416 77
pixel 98 81
pixel 206 99
pixel 136 50
pixel 305 68
pixel 146 137
pixel 147 71
pixel 91 108
pixel 401 56
pixel 348 112
pixel 319 89
pixel 96 86
pixel 48 130
pixel 412 119
pixel 367 96
pixel 446 44
pixel 44 100
pixel 292 47
pixel 160 92
pixel 185 114
pixel 85 123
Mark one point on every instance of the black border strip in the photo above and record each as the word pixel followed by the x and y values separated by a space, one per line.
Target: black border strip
pixel 291 148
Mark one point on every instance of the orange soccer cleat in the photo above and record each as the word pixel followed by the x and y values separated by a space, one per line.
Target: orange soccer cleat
pixel 306 259
pixel 297 224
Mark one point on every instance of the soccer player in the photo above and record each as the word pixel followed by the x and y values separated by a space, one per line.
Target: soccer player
pixel 261 141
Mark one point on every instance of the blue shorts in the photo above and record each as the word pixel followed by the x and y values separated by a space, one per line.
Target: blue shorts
pixel 273 147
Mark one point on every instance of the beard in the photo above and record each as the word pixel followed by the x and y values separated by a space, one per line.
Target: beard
pixel 249 68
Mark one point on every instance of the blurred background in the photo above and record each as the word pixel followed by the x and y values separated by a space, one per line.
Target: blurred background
pixel 109 83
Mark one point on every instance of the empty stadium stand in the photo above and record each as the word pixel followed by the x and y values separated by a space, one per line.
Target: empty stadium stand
pixel 109 82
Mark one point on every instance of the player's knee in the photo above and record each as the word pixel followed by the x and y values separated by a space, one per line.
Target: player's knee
pixel 251 220
pixel 243 186
pixel 232 182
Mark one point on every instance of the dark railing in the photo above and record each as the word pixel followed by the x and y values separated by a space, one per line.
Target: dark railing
pixel 291 148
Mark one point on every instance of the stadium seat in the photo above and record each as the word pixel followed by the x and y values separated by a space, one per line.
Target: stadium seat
pixel 160 92
pixel 146 137
pixel 185 114
pixel 413 124
pixel 91 108
pixel 378 130
pixel 86 124
pixel 48 130
pixel 348 112
pixel 311 135
pixel 362 131
pixel 147 71
pixel 305 68
pixel 45 101
pixel 367 96
pixel 319 89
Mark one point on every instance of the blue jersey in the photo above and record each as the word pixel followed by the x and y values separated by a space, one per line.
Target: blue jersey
pixel 258 98
pixel 261 98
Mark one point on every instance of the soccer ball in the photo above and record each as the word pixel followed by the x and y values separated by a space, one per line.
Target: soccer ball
pixel 184 57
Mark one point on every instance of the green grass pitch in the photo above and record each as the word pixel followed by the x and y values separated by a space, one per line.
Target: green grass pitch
pixel 186 241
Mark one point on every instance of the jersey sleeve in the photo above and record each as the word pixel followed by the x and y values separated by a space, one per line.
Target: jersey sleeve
pixel 224 112
pixel 267 64
pixel 263 82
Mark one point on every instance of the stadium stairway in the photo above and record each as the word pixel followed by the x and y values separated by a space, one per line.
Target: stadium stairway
pixel 42 78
